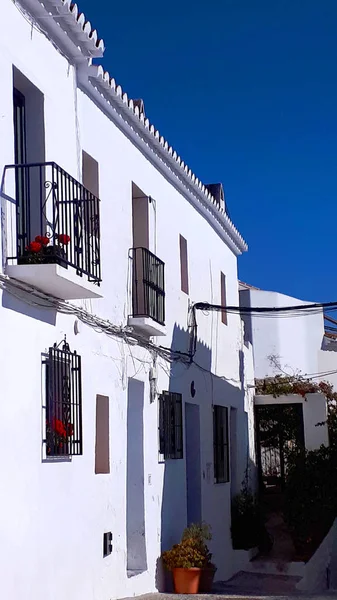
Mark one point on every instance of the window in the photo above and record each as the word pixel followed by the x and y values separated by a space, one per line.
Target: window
pixel 102 459
pixel 183 264
pixel 29 147
pixel 223 299
pixel 20 155
pixel 220 441
pixel 170 425
pixel 63 404
pixel 19 114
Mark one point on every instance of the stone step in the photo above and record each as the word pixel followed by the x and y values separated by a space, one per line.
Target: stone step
pixel 275 567
pixel 264 584
pixel 236 596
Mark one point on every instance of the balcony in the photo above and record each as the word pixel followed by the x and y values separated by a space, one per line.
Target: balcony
pixel 55 245
pixel 148 293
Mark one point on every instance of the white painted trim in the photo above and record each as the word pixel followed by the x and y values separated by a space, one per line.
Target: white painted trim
pixel 53 279
pixel 67 26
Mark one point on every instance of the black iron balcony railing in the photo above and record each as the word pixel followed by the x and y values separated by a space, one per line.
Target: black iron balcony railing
pixel 148 297
pixel 57 220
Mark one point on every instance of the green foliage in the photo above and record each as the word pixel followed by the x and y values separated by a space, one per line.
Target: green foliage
pixel 190 552
pixel 248 521
pixel 200 531
pixel 283 385
pixel 310 495
pixel 311 477
pixel 245 527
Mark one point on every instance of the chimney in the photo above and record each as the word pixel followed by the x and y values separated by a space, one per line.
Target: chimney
pixel 217 191
pixel 140 103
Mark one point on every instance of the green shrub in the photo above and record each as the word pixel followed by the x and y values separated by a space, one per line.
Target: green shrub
pixel 310 495
pixel 200 531
pixel 192 551
pixel 187 554
pixel 245 527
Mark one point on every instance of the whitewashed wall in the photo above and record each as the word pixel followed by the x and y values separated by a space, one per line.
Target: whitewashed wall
pixel 295 340
pixel 53 516
pixel 298 344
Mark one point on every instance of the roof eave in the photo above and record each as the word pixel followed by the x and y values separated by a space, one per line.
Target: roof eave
pixel 67 27
pixel 73 35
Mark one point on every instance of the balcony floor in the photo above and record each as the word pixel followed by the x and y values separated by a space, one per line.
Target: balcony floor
pixel 55 280
pixel 147 325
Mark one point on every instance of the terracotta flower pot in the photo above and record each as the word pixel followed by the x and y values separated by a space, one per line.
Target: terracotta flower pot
pixel 206 580
pixel 186 581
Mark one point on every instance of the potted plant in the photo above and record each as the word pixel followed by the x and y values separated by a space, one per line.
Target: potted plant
pixel 202 532
pixel 190 561
pixel 42 251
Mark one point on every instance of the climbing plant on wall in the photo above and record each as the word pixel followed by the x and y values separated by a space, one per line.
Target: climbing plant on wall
pixel 310 505
pixel 284 385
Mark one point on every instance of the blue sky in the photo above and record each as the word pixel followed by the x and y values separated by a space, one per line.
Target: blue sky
pixel 246 92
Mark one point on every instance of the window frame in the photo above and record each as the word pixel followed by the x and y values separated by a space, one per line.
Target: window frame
pixel 221 444
pixel 20 157
pixel 63 403
pixel 170 426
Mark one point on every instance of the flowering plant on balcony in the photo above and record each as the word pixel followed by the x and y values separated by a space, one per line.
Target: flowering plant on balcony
pixel 57 436
pixel 42 251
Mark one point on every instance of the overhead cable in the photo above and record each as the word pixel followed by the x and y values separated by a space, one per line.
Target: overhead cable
pixel 313 308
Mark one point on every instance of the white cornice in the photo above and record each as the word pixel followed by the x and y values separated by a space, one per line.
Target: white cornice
pixel 66 26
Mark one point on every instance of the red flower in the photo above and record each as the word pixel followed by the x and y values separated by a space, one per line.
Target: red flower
pixel 63 238
pixel 70 429
pixel 34 247
pixel 42 239
pixel 58 427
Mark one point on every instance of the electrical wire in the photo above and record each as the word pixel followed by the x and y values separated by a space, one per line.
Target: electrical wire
pixel 38 299
pixel 314 308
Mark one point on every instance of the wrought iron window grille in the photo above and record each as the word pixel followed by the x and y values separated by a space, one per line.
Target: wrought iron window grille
pixel 170 425
pixel 220 444
pixel 57 220
pixel 63 402
pixel 148 285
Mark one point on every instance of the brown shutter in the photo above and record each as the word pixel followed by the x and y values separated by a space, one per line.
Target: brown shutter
pixel 183 264
pixel 223 299
pixel 102 458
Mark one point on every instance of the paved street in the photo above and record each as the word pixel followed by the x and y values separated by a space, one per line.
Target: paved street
pixel 251 586
pixel 248 596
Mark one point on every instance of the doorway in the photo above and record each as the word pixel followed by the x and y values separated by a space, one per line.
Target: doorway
pixel 193 463
pixel 279 428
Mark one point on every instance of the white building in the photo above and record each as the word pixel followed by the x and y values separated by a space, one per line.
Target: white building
pixel 91 494
pixel 293 343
